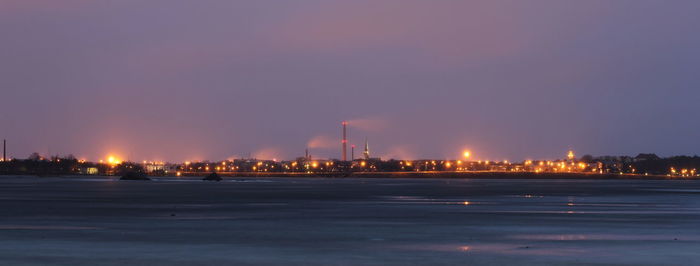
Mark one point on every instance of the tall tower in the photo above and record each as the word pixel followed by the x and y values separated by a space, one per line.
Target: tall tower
pixel 352 152
pixel 570 155
pixel 366 152
pixel 345 141
pixel 4 150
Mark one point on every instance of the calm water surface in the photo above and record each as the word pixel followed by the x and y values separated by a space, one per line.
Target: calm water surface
pixel 314 221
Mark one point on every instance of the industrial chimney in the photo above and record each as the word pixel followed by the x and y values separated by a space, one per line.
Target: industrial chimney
pixel 352 152
pixel 345 141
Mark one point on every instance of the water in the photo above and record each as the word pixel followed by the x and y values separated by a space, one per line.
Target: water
pixel 314 221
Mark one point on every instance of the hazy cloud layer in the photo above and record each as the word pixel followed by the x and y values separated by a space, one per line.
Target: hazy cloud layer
pixel 186 80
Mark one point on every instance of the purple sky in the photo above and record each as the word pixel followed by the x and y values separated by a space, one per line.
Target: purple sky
pixel 185 80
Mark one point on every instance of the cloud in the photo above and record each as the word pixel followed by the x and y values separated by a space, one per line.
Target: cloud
pixel 371 124
pixel 323 142
pixel 185 80
pixel 268 154
pixel 11 6
pixel 401 152
pixel 446 29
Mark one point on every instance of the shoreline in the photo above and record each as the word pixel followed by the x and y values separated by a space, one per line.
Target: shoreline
pixel 417 175
pixel 458 175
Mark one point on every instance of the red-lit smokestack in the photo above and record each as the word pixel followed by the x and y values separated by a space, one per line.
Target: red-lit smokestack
pixel 345 141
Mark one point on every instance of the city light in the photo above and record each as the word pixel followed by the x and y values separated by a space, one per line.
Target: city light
pixel 601 165
pixel 467 154
pixel 113 160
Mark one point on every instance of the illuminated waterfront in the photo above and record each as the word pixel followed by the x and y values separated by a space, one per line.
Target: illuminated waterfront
pixel 311 221
pixel 349 132
pixel 642 165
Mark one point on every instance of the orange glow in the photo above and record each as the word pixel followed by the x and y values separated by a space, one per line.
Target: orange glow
pixel 113 160
pixel 467 154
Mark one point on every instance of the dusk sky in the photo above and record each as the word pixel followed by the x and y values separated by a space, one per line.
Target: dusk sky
pixel 191 80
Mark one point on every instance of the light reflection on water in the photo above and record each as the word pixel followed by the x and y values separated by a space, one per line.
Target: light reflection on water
pixel 552 205
pixel 677 190
pixel 295 215
pixel 199 180
pixel 608 237
pixel 46 227
pixel 496 248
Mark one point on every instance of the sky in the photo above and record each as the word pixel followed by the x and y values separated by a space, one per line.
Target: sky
pixel 180 80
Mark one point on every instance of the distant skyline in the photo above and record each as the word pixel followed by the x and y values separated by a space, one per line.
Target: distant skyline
pixel 178 80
